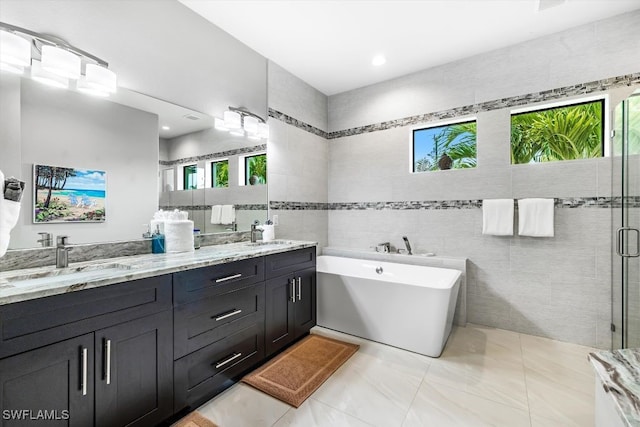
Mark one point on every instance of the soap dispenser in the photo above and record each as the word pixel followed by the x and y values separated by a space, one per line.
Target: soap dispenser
pixel 157 242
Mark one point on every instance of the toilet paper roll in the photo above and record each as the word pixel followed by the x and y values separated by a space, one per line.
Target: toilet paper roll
pixel 178 236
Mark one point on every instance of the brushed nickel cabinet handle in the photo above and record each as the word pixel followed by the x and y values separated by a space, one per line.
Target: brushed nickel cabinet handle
pixel 228 360
pixel 85 361
pixel 299 288
pixel 107 346
pixel 224 279
pixel 292 282
pixel 229 314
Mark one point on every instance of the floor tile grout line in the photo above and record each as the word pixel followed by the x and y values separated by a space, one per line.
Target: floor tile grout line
pixel 415 395
pixel 524 373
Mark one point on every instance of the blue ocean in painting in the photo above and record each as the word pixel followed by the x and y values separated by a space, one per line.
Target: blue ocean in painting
pixel 80 193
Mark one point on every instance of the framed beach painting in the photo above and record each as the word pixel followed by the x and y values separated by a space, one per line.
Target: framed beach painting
pixel 62 194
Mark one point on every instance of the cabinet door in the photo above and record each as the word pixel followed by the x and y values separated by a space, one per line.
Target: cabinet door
pixel 55 382
pixel 134 372
pixel 305 305
pixel 279 321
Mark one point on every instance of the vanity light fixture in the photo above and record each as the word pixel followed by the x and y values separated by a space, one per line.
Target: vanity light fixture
pixel 39 74
pixel 53 61
pixel 15 52
pixel 240 122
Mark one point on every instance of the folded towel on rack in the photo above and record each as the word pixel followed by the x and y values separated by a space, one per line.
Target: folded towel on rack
pixel 227 214
pixel 9 210
pixel 535 217
pixel 216 214
pixel 497 217
pixel 13 189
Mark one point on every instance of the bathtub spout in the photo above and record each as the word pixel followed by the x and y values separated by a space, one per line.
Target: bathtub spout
pixel 406 243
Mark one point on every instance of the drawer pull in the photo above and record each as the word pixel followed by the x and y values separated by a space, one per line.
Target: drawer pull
pixel 299 288
pixel 226 315
pixel 228 360
pixel 224 279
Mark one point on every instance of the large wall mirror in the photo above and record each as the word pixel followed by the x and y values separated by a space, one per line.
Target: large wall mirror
pixel 155 155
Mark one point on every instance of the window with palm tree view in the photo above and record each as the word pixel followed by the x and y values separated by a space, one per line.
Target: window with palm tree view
pixel 255 169
pixel 561 133
pixel 451 146
pixel 220 173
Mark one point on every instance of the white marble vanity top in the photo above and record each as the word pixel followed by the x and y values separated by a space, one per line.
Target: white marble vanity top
pixel 619 372
pixel 22 285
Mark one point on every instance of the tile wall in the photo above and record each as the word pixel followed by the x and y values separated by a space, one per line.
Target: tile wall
pixel 555 287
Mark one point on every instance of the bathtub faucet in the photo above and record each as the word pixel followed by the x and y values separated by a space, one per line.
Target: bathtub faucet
pixel 383 247
pixel 406 243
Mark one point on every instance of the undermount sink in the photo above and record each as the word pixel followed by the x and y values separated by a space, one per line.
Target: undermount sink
pixel 51 274
pixel 270 243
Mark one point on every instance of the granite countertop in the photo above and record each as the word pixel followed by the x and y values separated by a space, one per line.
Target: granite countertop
pixel 32 283
pixel 619 371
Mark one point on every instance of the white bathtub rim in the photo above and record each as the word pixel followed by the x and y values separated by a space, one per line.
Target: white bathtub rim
pixel 397 273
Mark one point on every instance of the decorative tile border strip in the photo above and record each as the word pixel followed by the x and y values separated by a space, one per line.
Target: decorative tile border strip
pixel 561 203
pixel 239 207
pixel 514 101
pixel 210 156
pixel 297 123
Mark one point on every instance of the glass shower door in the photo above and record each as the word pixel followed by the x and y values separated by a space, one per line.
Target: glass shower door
pixel 626 221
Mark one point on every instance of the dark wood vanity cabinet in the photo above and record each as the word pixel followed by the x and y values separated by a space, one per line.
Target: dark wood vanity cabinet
pixel 139 352
pixel 290 298
pixel 118 373
pixel 219 328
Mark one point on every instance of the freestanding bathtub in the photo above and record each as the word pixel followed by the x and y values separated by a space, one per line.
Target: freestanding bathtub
pixel 406 306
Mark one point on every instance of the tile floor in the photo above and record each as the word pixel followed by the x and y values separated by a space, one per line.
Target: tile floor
pixel 485 377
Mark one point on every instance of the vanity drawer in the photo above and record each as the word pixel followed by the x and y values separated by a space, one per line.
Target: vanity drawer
pixel 35 323
pixel 208 320
pixel 288 262
pixel 204 282
pixel 206 372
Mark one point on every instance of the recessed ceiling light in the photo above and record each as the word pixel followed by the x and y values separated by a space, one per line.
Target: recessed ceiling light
pixel 378 60
pixel 165 128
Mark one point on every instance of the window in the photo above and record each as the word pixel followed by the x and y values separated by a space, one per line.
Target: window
pixel 451 146
pixel 568 132
pixel 220 173
pixel 255 169
pixel 190 177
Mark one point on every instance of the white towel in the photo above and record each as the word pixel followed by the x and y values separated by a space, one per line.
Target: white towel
pixel 216 214
pixel 535 217
pixel 228 214
pixel 497 217
pixel 9 214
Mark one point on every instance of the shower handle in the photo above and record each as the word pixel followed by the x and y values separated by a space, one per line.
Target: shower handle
pixel 619 250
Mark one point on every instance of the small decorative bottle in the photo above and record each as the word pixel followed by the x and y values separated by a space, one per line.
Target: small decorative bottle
pixel 196 238
pixel 157 242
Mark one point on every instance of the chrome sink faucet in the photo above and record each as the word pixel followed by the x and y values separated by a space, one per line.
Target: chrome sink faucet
pixel 62 252
pixel 255 230
pixel 406 243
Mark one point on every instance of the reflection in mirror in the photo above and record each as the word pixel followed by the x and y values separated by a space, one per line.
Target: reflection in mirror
pixel 218 177
pixel 125 136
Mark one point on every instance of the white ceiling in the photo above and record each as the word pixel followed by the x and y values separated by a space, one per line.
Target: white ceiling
pixel 330 44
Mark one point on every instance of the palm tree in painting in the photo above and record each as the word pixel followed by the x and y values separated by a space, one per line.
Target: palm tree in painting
pixel 51 178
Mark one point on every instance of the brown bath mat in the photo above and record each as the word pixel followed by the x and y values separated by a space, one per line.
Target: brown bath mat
pixel 296 373
pixel 194 419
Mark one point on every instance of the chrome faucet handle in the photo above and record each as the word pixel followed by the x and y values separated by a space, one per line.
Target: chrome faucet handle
pixel 62 241
pixel 46 239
